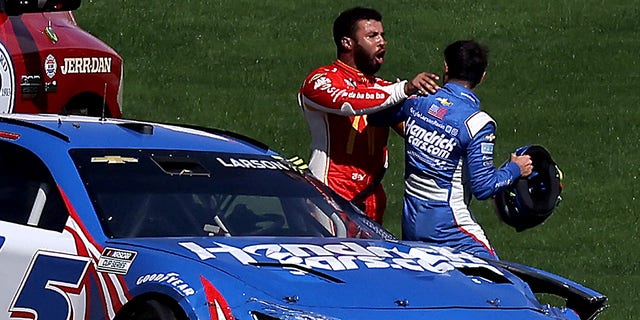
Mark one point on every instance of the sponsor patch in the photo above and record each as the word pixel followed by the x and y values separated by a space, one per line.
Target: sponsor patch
pixel 350 83
pixel 437 112
pixel 116 261
pixel 325 84
pixel 321 82
pixel 431 142
pixel 451 130
pixel 486 148
pixel 317 76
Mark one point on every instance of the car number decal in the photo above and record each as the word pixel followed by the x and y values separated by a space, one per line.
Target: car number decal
pixel 49 281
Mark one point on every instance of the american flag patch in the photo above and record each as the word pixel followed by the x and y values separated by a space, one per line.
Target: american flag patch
pixel 437 112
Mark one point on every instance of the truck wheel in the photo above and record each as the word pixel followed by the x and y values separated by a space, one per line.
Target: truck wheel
pixel 86 105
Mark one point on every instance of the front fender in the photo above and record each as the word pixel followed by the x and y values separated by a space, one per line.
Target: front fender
pixel 587 303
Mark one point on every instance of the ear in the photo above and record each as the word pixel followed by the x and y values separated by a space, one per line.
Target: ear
pixel 347 43
pixel 445 73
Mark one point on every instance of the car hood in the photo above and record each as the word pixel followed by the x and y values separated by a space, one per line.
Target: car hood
pixel 354 273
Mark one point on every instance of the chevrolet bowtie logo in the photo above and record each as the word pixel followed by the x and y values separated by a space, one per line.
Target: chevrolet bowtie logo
pixel 444 101
pixel 113 159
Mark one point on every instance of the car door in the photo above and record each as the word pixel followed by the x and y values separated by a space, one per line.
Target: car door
pixel 41 268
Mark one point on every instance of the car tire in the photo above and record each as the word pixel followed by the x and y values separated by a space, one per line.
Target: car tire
pixel 151 310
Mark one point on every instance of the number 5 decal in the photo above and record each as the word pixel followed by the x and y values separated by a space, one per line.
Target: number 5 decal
pixel 44 293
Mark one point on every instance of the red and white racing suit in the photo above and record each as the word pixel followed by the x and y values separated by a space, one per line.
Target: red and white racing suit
pixel 347 154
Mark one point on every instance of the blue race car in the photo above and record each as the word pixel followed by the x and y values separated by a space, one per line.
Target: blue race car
pixel 122 219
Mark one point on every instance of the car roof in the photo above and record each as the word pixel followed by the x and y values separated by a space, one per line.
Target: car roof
pixel 93 132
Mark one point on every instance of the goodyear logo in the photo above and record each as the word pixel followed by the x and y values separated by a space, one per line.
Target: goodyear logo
pixel 172 278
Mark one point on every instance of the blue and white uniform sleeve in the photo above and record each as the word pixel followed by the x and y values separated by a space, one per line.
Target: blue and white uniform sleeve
pixel 485 179
pixel 390 116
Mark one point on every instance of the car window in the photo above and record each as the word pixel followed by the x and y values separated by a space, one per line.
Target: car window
pixel 28 193
pixel 160 193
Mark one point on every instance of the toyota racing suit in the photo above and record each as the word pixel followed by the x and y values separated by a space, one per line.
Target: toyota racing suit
pixel 347 154
pixel 449 150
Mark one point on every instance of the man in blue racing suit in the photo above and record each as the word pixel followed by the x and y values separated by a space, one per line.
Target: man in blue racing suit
pixel 449 149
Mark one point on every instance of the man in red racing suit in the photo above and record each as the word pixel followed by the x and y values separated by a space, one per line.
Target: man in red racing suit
pixel 347 154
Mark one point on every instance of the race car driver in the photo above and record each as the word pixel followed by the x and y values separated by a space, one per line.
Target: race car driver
pixel 347 154
pixel 449 145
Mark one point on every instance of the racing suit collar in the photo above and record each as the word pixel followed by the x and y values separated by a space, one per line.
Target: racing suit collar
pixel 462 91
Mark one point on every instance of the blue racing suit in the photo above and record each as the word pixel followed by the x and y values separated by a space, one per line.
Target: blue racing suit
pixel 449 151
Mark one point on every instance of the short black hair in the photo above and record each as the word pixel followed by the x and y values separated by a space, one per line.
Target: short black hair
pixel 466 60
pixel 345 23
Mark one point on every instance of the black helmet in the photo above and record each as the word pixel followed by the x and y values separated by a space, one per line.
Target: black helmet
pixel 530 200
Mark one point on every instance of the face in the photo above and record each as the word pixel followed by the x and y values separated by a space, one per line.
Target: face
pixel 369 46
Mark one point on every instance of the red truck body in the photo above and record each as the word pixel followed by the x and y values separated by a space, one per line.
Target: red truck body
pixel 48 64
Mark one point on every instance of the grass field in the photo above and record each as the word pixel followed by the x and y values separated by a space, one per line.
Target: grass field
pixel 562 73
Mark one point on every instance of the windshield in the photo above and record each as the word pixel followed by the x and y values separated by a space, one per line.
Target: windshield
pixel 164 193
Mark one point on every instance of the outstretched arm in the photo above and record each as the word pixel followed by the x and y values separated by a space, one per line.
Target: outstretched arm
pixel 328 91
